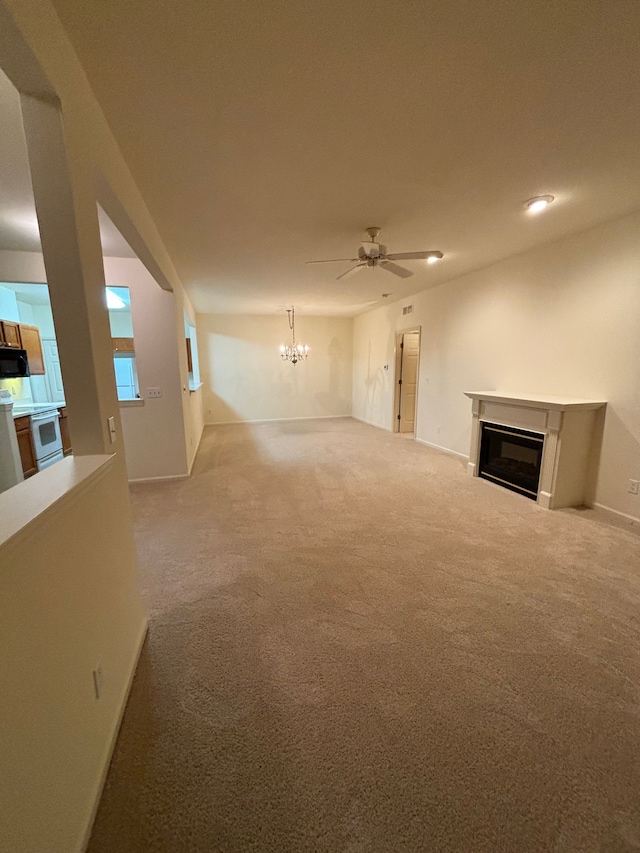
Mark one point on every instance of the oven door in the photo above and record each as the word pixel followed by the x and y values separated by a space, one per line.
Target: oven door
pixel 47 440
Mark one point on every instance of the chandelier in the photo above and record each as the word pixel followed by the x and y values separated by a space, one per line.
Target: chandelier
pixel 295 352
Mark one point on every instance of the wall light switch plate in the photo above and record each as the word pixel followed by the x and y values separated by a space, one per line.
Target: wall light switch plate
pixel 154 392
pixel 634 486
pixel 111 422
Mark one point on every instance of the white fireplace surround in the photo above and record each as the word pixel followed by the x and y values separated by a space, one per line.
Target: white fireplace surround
pixel 568 429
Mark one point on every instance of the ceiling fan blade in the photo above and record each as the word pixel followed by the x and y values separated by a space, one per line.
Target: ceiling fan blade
pixel 351 271
pixel 333 261
pixel 395 269
pixel 409 256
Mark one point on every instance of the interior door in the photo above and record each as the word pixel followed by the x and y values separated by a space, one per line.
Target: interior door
pixel 409 381
pixel 54 373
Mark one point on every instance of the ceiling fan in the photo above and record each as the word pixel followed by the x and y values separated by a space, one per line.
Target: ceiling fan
pixel 374 254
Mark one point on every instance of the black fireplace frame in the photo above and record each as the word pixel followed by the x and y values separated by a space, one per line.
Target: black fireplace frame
pixel 523 485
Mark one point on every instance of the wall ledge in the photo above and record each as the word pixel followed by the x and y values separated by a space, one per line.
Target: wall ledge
pixel 31 502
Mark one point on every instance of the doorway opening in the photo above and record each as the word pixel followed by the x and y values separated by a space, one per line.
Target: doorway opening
pixel 406 395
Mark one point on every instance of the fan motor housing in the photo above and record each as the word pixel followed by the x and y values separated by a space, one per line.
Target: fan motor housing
pixel 372 250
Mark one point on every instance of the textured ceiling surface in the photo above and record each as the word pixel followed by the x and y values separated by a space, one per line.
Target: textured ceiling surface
pixel 18 221
pixel 266 134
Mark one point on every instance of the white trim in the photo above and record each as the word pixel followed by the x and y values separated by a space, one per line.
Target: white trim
pixel 160 479
pixel 397 357
pixel 615 511
pixel 278 420
pixel 193 458
pixel 544 499
pixel 111 745
pixel 561 404
pixel 371 423
pixel 444 449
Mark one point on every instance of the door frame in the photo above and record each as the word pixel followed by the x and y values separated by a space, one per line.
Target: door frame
pixel 396 377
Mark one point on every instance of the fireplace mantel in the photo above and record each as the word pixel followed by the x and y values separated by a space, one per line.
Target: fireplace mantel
pixel 561 404
pixel 568 427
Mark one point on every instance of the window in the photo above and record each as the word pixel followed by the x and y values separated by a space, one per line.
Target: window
pixel 192 353
pixel 124 353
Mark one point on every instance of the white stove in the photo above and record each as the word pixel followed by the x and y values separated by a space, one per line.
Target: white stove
pixel 20 409
pixel 45 431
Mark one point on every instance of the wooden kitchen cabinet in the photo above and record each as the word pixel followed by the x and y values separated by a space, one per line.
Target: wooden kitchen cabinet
pixel 123 345
pixel 25 444
pixel 64 431
pixel 30 337
pixel 10 334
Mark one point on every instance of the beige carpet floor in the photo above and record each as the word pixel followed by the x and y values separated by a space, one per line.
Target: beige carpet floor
pixel 356 647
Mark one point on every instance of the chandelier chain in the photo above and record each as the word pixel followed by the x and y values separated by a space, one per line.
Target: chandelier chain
pixel 295 352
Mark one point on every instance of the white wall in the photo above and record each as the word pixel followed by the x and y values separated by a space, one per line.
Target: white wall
pixel 192 409
pixel 8 305
pixel 560 320
pixel 69 602
pixel 43 319
pixel 245 379
pixel 154 434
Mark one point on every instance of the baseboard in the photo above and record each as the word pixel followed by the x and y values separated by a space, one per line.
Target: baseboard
pixel 443 449
pixel 160 479
pixel 278 420
pixel 371 423
pixel 106 761
pixel 615 512
pixel 193 458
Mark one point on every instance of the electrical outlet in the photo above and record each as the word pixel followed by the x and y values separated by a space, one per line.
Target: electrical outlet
pixel 154 392
pixel 634 486
pixel 98 680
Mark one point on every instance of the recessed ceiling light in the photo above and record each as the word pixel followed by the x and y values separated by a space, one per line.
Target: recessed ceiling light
pixel 535 205
pixel 434 257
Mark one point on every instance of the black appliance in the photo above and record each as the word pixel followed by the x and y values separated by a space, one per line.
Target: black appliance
pixel 13 363
pixel 511 457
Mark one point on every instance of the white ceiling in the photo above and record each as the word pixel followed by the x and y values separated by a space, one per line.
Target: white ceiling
pixel 18 221
pixel 265 134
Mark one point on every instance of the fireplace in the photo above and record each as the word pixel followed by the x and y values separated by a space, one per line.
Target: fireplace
pixel 541 447
pixel 511 457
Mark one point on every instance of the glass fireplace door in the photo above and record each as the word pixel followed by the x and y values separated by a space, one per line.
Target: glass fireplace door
pixel 511 457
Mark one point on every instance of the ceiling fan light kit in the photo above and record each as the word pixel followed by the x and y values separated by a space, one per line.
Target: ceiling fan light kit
pixel 372 254
pixel 538 203
pixel 293 352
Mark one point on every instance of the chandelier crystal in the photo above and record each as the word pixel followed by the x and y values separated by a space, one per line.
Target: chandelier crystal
pixel 294 352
